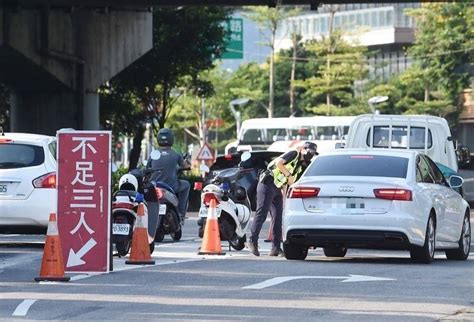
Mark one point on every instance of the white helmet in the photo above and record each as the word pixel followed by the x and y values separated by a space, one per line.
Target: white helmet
pixel 128 182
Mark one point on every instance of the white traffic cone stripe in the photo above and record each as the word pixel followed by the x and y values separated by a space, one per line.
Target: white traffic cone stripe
pixel 212 214
pixel 52 227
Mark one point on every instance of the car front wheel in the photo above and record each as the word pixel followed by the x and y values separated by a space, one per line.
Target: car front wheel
pixel 295 252
pixel 462 252
pixel 425 254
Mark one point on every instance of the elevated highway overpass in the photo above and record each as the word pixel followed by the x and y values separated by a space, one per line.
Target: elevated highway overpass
pixel 55 54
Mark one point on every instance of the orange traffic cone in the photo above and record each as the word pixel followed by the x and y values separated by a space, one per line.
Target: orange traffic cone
pixel 52 266
pixel 211 241
pixel 140 253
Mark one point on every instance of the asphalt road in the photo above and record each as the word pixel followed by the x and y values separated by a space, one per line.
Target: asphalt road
pixel 365 285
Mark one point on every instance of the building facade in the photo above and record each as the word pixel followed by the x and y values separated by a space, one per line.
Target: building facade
pixel 384 28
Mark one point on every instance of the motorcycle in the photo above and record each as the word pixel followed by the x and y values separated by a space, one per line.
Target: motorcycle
pixel 133 192
pixel 233 206
pixel 170 221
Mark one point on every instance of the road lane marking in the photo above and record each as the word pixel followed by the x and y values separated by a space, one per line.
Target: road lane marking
pixel 427 307
pixel 345 279
pixel 22 309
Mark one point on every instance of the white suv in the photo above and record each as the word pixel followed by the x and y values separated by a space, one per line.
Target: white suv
pixel 27 182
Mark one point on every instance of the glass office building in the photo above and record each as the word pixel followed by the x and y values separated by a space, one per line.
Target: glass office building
pixel 383 27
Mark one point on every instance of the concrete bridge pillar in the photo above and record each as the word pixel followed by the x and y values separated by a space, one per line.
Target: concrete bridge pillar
pixel 55 59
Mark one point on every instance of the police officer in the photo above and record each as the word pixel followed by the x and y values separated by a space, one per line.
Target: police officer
pixel 283 171
pixel 167 166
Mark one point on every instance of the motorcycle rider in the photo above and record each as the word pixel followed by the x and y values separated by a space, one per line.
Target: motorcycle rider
pixel 168 165
pixel 281 172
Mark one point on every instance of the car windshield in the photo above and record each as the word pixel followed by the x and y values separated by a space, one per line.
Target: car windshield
pixel 20 156
pixel 359 165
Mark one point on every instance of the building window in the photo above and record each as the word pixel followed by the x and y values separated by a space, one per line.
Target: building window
pixel 374 19
pixel 324 25
pixel 390 18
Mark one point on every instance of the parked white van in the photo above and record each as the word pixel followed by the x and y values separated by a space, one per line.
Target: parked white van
pixel 282 132
pixel 426 133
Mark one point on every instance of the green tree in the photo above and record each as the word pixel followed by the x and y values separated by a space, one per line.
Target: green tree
pixel 270 19
pixel 334 80
pixel 443 49
pixel 186 40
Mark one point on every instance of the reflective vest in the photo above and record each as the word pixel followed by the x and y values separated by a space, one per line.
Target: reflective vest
pixel 279 179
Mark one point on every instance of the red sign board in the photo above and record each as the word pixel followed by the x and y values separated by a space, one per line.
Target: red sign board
pixel 84 199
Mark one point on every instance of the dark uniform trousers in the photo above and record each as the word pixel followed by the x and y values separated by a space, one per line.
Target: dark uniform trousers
pixel 268 196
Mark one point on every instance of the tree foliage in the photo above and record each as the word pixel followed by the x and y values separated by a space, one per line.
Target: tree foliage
pixel 186 40
pixel 443 51
pixel 334 79
pixel 270 19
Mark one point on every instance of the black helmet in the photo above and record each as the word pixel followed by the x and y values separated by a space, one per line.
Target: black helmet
pixel 165 137
pixel 312 147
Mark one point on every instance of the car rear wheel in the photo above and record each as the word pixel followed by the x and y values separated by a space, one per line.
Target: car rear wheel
pixel 335 251
pixel 462 252
pixel 295 252
pixel 425 254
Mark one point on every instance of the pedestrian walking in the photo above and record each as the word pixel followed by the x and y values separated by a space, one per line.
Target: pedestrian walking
pixel 282 172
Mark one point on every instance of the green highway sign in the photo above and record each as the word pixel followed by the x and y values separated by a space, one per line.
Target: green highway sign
pixel 235 39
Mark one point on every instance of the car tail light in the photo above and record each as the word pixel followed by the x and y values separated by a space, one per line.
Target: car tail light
pixel 208 197
pixel 46 181
pixel 303 192
pixel 228 157
pixel 393 194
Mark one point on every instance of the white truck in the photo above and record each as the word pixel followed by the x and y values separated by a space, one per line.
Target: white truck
pixel 426 133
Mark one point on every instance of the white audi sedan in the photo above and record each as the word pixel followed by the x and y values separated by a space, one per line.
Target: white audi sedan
pixel 27 182
pixel 376 199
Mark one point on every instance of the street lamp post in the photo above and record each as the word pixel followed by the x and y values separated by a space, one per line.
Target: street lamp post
pixel 237 115
pixel 376 100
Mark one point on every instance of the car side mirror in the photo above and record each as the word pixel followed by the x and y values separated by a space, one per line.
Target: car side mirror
pixel 245 156
pixel 456 181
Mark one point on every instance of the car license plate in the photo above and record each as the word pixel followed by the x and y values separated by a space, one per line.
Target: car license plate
pixel 162 209
pixel 3 188
pixel 120 229
pixel 355 203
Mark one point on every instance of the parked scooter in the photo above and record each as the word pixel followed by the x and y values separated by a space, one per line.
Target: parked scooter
pixel 170 221
pixel 232 204
pixel 133 191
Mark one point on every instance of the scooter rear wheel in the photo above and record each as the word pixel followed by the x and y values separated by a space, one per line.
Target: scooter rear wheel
pixel 238 243
pixel 160 235
pixel 123 247
pixel 177 235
